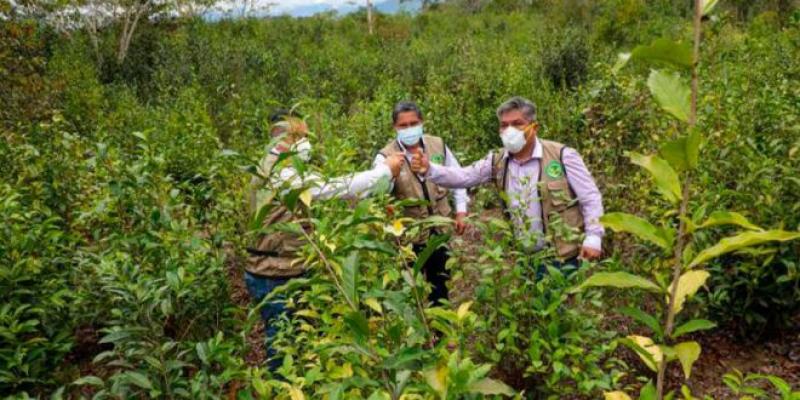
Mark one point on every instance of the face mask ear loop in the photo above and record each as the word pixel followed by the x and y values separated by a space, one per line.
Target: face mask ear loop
pixel 530 130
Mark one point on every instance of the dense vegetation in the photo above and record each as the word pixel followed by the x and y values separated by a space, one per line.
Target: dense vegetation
pixel 123 184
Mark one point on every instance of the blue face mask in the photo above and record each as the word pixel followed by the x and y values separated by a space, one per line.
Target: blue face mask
pixel 410 136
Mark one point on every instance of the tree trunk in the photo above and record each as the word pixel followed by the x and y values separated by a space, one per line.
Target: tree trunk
pixel 369 17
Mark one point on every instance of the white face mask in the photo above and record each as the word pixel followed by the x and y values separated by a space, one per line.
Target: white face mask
pixel 513 139
pixel 410 136
pixel 303 149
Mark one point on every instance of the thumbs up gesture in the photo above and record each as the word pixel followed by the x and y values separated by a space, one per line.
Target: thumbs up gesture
pixel 419 162
pixel 395 162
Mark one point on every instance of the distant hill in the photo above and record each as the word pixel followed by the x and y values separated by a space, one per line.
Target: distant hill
pixel 384 6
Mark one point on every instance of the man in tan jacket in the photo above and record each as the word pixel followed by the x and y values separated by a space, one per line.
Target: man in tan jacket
pixel 408 124
pixel 272 260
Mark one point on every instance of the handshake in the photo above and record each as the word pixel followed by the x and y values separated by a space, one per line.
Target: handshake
pixel 419 163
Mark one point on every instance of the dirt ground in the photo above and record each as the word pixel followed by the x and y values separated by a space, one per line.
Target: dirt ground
pixel 721 350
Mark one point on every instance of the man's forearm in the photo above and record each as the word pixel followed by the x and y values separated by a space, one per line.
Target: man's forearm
pixel 460 177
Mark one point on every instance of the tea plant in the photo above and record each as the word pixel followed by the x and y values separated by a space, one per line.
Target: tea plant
pixel 541 340
pixel 681 154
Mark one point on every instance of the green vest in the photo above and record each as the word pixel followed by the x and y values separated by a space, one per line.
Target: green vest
pixel 558 201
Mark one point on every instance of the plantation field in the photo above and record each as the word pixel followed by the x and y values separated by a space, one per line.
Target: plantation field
pixel 127 152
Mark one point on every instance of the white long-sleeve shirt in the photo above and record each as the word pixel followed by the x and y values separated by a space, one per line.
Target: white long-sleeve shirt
pixel 460 196
pixel 355 185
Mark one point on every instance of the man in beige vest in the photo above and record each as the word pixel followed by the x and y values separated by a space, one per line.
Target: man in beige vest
pixel 272 260
pixel 408 124
pixel 546 185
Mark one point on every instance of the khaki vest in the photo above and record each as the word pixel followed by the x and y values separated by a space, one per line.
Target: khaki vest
pixel 408 186
pixel 275 254
pixel 556 196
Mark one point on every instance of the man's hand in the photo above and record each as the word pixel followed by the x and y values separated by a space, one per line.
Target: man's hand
pixel 419 162
pixel 395 163
pixel 589 254
pixel 460 224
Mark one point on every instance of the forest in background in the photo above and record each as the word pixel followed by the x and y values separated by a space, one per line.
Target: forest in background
pixel 123 183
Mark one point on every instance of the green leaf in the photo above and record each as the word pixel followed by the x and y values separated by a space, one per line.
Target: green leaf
pixel 648 392
pixel 434 242
pixel 88 380
pixel 350 278
pixel 693 326
pixel 437 380
pixel 780 384
pixel 688 284
pixel 664 51
pixel 644 318
pixel 650 353
pixel 708 5
pixel 622 222
pixel 617 280
pixel 358 325
pixel 116 336
pixel 741 241
pixel 688 353
pixel 488 386
pixel 137 379
pixel 674 152
pixel 409 358
pixel 672 94
pixel 682 153
pixel 727 218
pixel 665 177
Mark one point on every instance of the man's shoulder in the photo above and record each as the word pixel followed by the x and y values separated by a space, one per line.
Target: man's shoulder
pixel 433 140
pixel 390 148
pixel 552 143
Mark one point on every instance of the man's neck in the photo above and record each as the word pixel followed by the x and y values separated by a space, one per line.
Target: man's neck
pixel 527 152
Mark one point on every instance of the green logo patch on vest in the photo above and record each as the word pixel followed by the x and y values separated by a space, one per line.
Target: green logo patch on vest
pixel 437 159
pixel 554 169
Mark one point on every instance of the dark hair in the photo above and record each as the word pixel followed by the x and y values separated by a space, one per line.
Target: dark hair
pixel 405 106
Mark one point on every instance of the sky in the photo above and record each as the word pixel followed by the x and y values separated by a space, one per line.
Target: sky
pixel 303 8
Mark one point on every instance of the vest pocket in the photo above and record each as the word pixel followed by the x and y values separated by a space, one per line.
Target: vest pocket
pixel 559 195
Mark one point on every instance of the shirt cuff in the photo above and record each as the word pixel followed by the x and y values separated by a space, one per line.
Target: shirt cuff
pixel 431 168
pixel 593 242
pixel 384 170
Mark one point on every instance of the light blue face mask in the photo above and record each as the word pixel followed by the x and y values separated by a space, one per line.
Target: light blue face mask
pixel 410 136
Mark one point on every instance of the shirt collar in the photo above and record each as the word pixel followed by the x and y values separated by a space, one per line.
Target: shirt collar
pixel 538 151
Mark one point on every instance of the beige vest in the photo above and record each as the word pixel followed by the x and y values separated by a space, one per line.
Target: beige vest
pixel 408 186
pixel 273 254
pixel 558 201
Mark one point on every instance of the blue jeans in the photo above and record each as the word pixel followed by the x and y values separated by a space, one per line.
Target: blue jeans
pixel 259 287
